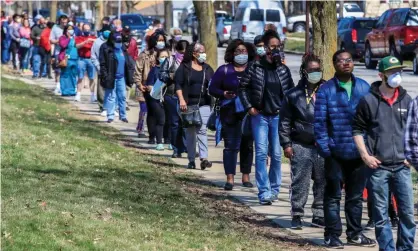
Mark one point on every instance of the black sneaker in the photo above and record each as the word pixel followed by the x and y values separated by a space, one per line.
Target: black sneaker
pixel 394 222
pixel 205 164
pixel 318 222
pixel 265 202
pixel 151 142
pixel 191 165
pixel 361 240
pixel 228 186
pixel 109 121
pixel 333 242
pixel 370 225
pixel 125 120
pixel 296 223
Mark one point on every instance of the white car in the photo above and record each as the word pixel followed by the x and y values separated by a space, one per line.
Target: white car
pixel 350 10
pixel 298 23
pixel 252 16
pixel 223 30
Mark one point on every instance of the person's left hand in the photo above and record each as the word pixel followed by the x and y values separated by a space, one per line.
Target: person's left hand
pixel 407 164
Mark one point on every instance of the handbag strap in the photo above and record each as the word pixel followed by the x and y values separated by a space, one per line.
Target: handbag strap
pixel 203 86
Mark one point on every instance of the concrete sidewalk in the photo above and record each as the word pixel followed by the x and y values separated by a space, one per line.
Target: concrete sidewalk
pixel 279 212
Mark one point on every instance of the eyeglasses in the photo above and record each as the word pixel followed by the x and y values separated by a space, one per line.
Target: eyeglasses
pixel 344 61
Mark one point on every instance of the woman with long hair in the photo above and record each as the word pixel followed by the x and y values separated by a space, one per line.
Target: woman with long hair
pixel 25 44
pixel 262 90
pixel 166 75
pixel 192 81
pixel 224 86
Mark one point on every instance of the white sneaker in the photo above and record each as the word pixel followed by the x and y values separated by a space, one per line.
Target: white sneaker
pixel 57 91
pixel 77 97
pixel 104 113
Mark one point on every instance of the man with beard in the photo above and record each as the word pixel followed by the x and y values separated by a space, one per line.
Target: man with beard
pixel 381 121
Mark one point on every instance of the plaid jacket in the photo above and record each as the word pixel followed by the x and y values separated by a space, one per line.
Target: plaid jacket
pixel 411 134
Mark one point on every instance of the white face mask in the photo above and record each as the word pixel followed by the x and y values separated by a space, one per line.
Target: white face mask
pixel 395 80
pixel 261 51
pixel 314 77
pixel 160 45
pixel 202 58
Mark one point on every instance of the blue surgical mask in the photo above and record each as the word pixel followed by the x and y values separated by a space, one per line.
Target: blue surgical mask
pixel 118 45
pixel 106 34
pixel 202 58
pixel 160 45
pixel 161 60
pixel 261 51
pixel 241 59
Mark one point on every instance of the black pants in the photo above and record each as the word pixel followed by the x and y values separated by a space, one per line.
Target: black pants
pixel 14 49
pixel 235 142
pixel 167 129
pixel 45 60
pixel 351 173
pixel 155 118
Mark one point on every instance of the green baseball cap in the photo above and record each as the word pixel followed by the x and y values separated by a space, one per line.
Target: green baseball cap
pixel 389 63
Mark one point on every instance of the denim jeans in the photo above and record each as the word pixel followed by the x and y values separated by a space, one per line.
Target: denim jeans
pixel 36 61
pixel 235 142
pixel 198 135
pixel 351 173
pixel 400 183
pixel 24 58
pixel 5 53
pixel 111 95
pixel 177 133
pixel 266 132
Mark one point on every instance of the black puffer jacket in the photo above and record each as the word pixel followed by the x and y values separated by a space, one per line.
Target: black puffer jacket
pixel 109 64
pixel 297 118
pixel 251 89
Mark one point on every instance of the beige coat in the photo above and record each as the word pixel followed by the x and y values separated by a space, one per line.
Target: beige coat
pixel 144 64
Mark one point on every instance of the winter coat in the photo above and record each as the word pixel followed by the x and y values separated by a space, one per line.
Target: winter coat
pixel 297 117
pixel 251 90
pixel 108 66
pixel 334 113
pixel 384 126
pixel 166 74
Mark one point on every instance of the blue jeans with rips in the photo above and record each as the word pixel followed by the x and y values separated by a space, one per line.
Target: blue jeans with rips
pixel 400 183
pixel 265 130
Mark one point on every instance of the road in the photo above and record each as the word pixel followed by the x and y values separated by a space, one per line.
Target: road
pixel 410 81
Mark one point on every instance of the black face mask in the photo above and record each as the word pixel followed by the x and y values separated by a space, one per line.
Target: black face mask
pixel 276 56
pixel 125 38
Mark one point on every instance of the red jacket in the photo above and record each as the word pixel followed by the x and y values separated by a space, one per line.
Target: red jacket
pixel 133 49
pixel 44 42
pixel 85 51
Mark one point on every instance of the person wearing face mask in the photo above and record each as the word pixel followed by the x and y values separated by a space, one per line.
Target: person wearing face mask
pixel 45 49
pixel 84 43
pixel 298 141
pixel 129 43
pixel 69 73
pixel 144 63
pixel 25 45
pixel 36 55
pixel 335 105
pixel 56 33
pixel 192 80
pixel 262 90
pixel 378 130
pixel 176 35
pixel 116 71
pixel 224 86
pixel 259 46
pixel 95 59
pixel 156 113
pixel 166 75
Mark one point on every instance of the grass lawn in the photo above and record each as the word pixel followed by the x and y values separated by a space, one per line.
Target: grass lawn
pixel 69 184
pixel 295 46
pixel 295 34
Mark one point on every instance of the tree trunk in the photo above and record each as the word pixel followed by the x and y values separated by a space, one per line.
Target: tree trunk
pixel 54 10
pixel 19 7
pixel 100 14
pixel 168 15
pixel 341 14
pixel 30 8
pixel 324 26
pixel 206 16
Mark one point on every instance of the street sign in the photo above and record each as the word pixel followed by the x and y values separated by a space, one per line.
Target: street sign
pixel 9 2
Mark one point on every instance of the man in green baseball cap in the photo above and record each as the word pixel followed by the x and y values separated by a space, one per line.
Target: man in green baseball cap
pixel 381 119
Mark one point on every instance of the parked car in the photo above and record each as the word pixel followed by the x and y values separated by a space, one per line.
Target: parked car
pixel 137 24
pixel 252 16
pixel 352 33
pixel 221 13
pixel 396 34
pixel 298 23
pixel 350 10
pixel 223 30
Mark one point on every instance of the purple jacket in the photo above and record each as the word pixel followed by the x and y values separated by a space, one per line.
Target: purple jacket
pixel 223 80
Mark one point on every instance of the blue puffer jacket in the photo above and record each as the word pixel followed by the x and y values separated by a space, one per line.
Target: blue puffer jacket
pixel 334 114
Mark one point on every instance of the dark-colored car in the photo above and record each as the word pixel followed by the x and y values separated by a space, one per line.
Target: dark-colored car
pixel 396 34
pixel 352 33
pixel 137 24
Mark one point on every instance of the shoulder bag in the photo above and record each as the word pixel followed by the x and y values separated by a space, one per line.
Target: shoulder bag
pixel 192 117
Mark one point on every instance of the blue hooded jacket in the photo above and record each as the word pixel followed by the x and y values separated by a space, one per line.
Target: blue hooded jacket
pixel 334 113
